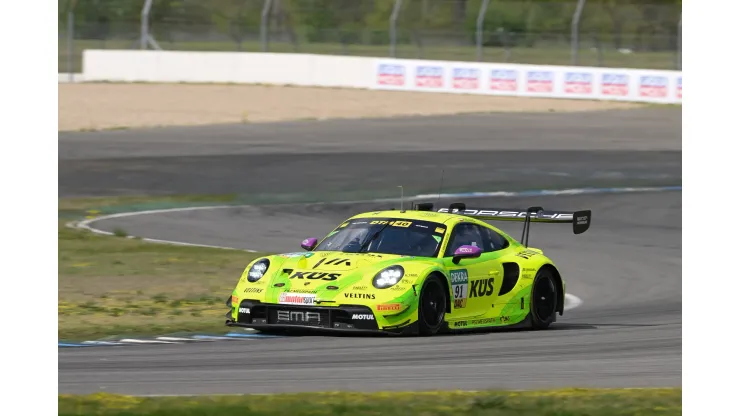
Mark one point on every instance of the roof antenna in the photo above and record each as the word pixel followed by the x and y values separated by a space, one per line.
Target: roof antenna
pixel 441 181
pixel 402 207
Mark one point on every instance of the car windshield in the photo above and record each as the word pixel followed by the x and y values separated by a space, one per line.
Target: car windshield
pixel 386 236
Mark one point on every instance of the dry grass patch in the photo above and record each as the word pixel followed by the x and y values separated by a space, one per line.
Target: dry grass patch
pixel 112 106
pixel 118 286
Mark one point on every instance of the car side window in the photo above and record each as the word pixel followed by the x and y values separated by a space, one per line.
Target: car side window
pixel 495 240
pixel 465 234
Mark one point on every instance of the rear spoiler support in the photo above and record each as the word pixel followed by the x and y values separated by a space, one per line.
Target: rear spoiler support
pixel 527 224
pixel 580 220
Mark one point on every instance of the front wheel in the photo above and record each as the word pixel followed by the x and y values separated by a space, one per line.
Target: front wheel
pixel 544 300
pixel 432 306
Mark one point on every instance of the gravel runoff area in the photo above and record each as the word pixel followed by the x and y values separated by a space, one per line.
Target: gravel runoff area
pixel 94 106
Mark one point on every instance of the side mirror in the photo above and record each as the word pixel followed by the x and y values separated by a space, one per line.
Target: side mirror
pixel 309 244
pixel 466 252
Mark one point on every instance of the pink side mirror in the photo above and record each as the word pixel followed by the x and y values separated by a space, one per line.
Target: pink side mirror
pixel 466 252
pixel 309 244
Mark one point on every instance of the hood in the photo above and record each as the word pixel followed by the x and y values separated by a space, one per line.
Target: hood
pixel 335 261
pixel 311 271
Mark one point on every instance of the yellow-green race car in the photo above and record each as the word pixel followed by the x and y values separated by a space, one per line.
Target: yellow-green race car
pixel 421 271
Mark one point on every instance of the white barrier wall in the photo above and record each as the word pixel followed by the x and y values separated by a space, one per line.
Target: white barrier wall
pixel 385 74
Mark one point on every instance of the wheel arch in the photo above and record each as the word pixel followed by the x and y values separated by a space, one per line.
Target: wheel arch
pixel 559 286
pixel 437 274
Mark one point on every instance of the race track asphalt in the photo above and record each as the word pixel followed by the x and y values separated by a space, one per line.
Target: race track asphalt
pixel 626 268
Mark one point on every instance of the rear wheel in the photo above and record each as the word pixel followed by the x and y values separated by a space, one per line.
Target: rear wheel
pixel 544 299
pixel 432 306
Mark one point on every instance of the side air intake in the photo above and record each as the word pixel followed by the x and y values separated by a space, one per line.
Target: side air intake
pixel 511 276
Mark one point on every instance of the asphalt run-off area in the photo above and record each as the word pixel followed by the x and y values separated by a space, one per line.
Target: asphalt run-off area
pixel 623 330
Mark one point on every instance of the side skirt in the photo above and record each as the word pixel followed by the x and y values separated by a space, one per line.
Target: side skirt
pixel 525 323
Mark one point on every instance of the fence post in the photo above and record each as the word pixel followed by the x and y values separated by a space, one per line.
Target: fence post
pixel 70 42
pixel 574 32
pixel 479 29
pixel 264 22
pixel 393 19
pixel 145 23
pixel 678 43
pixel 70 38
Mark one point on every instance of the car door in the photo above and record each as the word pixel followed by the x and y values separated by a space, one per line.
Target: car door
pixel 475 282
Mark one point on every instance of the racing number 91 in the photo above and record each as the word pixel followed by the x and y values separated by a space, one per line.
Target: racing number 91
pixel 459 291
pixel 393 223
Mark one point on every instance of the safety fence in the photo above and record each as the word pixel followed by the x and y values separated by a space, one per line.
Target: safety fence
pixel 629 34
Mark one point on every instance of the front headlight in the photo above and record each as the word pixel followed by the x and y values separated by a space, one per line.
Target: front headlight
pixel 388 277
pixel 258 270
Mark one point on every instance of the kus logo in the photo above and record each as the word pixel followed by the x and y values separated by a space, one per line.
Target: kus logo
pixel 429 76
pixel 503 80
pixel 578 83
pixel 679 87
pixel 479 288
pixel 615 84
pixel 465 78
pixel 540 81
pixel 653 86
pixel 315 275
pixel 389 74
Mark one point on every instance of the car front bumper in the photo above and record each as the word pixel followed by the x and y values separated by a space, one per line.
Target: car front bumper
pixel 345 318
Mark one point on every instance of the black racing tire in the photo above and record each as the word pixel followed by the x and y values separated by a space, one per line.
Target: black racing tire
pixel 432 306
pixel 544 299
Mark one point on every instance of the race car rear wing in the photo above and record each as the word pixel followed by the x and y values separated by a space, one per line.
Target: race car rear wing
pixel 581 220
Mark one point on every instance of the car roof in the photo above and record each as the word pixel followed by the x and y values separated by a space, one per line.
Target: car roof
pixel 432 216
pixel 445 218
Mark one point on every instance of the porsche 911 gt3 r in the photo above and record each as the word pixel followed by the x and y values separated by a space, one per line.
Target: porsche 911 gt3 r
pixel 419 271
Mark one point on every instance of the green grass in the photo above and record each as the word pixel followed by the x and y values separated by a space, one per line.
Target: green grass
pixel 112 285
pixel 569 402
pixel 102 205
pixel 544 55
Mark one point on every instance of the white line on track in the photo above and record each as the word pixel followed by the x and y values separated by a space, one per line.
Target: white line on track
pixel 177 339
pixel 87 223
pixel 146 341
